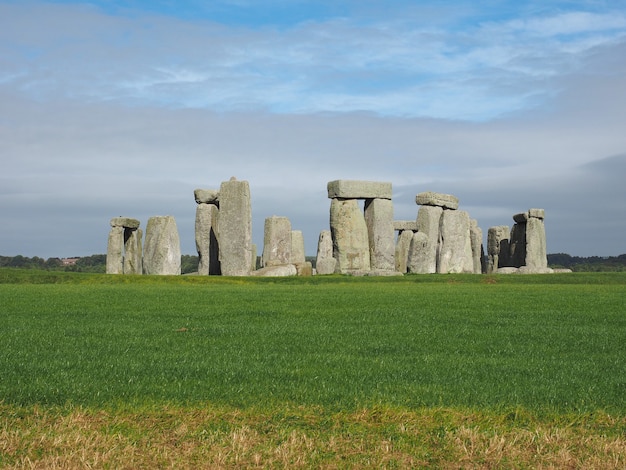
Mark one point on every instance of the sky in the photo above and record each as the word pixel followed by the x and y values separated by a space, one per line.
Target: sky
pixel 122 108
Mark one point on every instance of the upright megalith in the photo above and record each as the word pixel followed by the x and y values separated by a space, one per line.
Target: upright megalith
pixel 325 263
pixel 235 228
pixel 350 237
pixel 523 249
pixel 124 254
pixel 498 250
pixel 207 212
pixel 297 248
pixel 403 245
pixel 276 242
pixel 454 242
pixel 162 246
pixel 478 254
pixel 536 251
pixel 419 254
pixel 380 230
pixel 363 240
pixel 428 222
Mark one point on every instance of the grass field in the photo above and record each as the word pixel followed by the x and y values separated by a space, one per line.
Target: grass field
pixel 335 372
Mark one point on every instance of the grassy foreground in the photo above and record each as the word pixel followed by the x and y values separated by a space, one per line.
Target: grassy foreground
pixel 335 372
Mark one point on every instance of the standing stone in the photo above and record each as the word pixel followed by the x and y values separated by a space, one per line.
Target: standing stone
pixel 325 263
pixel 115 251
pixel 517 244
pixel 379 222
pixel 445 201
pixel 454 239
pixel 276 241
pixel 162 246
pixel 419 254
pixel 476 236
pixel 350 238
pixel 297 248
pixel 206 239
pixel 428 222
pixel 235 228
pixel 498 248
pixel 132 251
pixel 536 256
pixel 402 250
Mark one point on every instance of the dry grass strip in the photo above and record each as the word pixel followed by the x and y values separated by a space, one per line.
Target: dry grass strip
pixel 214 437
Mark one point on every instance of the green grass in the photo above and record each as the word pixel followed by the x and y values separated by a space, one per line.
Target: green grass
pixel 544 343
pixel 451 371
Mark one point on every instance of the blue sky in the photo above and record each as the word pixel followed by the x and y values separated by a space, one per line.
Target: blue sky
pixel 114 107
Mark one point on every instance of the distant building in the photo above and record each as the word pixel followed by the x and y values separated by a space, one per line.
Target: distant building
pixel 69 261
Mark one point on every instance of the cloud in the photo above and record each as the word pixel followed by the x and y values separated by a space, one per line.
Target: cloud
pixel 109 115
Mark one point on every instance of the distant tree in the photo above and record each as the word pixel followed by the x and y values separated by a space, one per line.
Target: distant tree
pixel 189 264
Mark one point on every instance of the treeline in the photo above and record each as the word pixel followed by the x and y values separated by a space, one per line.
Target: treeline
pixel 189 263
pixel 587 264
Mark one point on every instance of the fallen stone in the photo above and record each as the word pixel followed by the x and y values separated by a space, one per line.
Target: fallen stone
pixel 429 198
pixel 507 270
pixel 326 266
pixel 351 189
pixel 304 269
pixel 276 271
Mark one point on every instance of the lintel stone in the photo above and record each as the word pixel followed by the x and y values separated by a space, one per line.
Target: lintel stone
pixel 125 222
pixel 402 225
pixel 352 189
pixel 521 218
pixel 537 213
pixel 206 196
pixel 429 198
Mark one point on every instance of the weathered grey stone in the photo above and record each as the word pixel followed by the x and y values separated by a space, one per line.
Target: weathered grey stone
pixel 350 238
pixel 162 246
pixel 402 250
pixel 534 270
pixel 297 247
pixel 521 218
pixel 325 263
pixel 455 239
pixel 561 270
pixel 429 198
pixel 206 239
pixel 253 257
pixel 507 270
pixel 401 225
pixel 498 248
pixel 115 250
pixel 419 254
pixel 351 189
pixel 234 232
pixel 304 269
pixel 125 222
pixel 428 222
pixel 536 256
pixel 537 213
pixel 276 241
pixel 133 263
pixel 517 245
pixel 379 222
pixel 276 271
pixel 325 266
pixel 206 196
pixel 476 237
